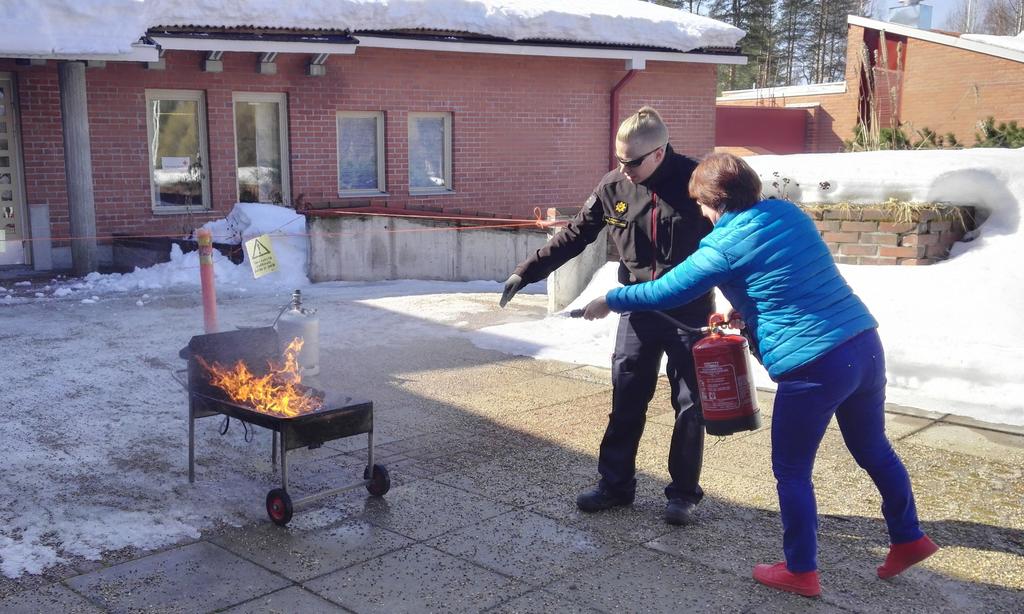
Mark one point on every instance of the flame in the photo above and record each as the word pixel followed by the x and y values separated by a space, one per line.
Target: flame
pixel 274 393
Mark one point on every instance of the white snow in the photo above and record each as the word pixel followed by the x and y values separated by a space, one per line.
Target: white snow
pixel 246 221
pixel 953 331
pixel 1016 43
pixel 954 335
pixel 74 26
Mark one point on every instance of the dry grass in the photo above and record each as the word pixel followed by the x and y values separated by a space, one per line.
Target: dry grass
pixel 900 211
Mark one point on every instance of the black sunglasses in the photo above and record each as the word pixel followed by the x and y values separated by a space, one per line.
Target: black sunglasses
pixel 635 162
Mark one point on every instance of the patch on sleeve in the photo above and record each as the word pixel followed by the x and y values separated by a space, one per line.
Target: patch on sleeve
pixel 621 207
pixel 614 221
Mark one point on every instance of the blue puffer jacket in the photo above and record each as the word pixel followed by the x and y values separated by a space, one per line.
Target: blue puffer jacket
pixel 772 265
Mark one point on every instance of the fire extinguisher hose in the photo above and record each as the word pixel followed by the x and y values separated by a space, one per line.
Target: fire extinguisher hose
pixel 578 313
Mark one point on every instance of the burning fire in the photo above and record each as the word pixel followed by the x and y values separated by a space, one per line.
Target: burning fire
pixel 274 393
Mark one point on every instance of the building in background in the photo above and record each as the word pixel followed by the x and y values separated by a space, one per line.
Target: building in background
pixel 161 137
pixel 918 80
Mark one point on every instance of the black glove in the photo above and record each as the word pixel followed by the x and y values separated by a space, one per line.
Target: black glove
pixel 513 284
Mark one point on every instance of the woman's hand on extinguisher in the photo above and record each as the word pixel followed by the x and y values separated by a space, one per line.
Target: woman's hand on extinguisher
pixel 735 320
pixel 596 309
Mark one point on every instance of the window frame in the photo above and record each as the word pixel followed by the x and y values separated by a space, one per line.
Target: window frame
pixel 446 152
pixel 198 96
pixel 282 119
pixel 381 154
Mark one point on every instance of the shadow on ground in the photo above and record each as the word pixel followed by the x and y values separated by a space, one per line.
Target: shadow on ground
pixel 487 453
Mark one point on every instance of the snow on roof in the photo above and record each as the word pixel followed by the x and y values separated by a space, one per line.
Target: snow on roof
pixel 1015 43
pixel 64 27
pixel 1007 47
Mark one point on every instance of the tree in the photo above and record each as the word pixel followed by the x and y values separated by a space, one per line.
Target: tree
pixel 760 45
pixel 1004 17
pixel 795 17
pixel 1000 17
pixel 692 6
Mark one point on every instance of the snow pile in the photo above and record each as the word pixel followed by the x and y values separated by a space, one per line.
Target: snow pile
pixel 1015 43
pixel 246 221
pixel 953 331
pixel 70 26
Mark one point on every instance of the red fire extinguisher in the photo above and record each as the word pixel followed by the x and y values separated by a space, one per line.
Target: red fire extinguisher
pixel 726 384
pixel 725 381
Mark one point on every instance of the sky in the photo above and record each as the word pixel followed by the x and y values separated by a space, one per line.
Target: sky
pixel 940 9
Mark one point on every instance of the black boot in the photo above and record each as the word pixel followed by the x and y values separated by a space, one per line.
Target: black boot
pixel 679 512
pixel 598 499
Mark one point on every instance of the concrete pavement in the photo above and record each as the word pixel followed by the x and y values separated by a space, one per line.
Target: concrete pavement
pixel 487 453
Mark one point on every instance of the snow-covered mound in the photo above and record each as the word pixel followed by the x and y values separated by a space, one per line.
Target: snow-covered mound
pixel 953 331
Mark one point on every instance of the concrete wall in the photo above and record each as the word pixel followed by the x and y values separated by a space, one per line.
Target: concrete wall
pixel 569 280
pixel 355 247
pixel 372 248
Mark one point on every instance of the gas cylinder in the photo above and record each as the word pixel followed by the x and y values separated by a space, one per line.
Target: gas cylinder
pixel 725 381
pixel 298 321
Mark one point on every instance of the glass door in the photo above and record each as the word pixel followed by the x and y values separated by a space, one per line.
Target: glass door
pixel 12 205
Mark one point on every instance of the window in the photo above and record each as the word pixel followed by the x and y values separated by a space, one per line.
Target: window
pixel 430 152
pixel 261 148
pixel 176 125
pixel 360 153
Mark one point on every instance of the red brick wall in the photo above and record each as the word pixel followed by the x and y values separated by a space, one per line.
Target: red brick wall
pixel 948 89
pixel 527 131
pixel 828 121
pixel 831 121
pixel 944 88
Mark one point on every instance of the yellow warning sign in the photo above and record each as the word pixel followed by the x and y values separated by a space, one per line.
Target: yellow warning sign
pixel 261 255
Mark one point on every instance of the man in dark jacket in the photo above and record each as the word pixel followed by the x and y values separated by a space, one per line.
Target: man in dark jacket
pixel 646 207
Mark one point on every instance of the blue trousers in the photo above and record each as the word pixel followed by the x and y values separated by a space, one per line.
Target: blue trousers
pixel 849 382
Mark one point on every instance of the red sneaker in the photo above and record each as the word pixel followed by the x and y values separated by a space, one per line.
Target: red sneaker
pixel 778 576
pixel 902 556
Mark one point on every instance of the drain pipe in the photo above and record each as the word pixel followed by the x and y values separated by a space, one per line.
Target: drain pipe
pixel 632 67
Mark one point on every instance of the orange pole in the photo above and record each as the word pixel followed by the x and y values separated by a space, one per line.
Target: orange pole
pixel 205 237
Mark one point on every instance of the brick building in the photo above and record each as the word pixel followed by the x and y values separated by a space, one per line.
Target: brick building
pixel 163 138
pixel 923 79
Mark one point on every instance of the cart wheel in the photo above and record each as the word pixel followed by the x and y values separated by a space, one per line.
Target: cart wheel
pixel 279 506
pixel 380 483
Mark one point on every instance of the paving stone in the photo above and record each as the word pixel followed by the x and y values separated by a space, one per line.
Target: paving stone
pixel 541 602
pixel 53 598
pixel 1012 429
pixel 951 485
pixel 425 509
pixel 915 412
pixel 642 521
pixel 292 599
pixel 734 539
pixel 528 546
pixel 541 391
pixel 1004 447
pixel 588 373
pixel 196 578
pixel 417 579
pixel 302 554
pixel 942 583
pixel 642 580
pixel 503 480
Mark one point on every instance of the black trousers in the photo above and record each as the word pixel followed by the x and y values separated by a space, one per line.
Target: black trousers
pixel 642 339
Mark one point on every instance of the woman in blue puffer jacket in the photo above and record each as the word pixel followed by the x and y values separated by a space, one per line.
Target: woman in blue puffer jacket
pixel 816 339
